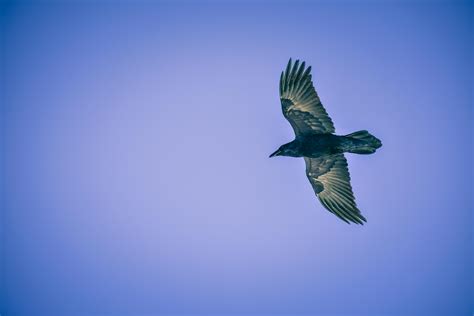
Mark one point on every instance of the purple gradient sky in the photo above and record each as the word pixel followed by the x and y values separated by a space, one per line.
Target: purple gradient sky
pixel 135 176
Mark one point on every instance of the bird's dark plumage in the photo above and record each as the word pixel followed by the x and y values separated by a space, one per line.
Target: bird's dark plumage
pixel 323 152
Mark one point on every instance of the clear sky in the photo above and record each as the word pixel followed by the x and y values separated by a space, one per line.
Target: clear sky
pixel 135 172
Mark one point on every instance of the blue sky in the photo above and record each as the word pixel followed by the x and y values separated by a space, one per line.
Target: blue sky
pixel 135 172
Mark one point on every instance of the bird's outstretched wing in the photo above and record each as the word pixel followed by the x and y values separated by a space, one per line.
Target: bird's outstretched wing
pixel 300 102
pixel 330 179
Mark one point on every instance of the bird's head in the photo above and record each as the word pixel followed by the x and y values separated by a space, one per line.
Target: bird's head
pixel 286 150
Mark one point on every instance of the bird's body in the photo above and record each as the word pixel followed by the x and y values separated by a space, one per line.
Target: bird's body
pixel 313 146
pixel 315 141
pixel 319 145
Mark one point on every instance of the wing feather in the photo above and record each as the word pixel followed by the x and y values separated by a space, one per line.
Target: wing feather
pixel 300 102
pixel 330 179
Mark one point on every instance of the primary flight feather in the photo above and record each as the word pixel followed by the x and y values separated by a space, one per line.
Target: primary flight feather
pixel 323 152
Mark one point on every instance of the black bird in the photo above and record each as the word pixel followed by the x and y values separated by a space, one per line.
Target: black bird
pixel 323 152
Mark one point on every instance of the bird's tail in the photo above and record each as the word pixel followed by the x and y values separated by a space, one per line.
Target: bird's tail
pixel 364 143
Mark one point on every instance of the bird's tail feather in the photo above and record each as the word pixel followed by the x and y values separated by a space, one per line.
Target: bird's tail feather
pixel 365 144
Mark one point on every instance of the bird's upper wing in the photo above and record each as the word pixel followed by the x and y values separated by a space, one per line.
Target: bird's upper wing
pixel 330 179
pixel 300 102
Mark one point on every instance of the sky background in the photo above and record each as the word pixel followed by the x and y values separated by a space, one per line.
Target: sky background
pixel 135 175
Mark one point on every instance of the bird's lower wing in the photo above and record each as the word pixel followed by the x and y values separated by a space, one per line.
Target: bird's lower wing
pixel 330 179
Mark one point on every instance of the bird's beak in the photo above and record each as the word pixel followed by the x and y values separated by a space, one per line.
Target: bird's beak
pixel 276 153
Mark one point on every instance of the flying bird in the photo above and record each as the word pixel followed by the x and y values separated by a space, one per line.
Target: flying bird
pixel 315 141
